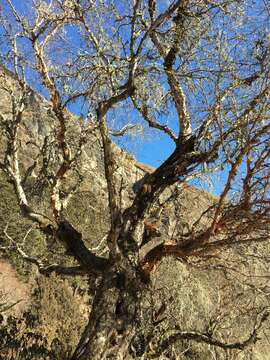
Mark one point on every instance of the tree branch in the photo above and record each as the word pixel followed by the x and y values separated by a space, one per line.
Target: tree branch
pixel 207 339
pixel 169 57
pixel 152 122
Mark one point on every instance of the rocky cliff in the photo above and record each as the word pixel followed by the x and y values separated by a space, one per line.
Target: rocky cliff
pixel 196 293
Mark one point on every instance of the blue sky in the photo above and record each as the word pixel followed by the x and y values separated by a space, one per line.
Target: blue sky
pixel 153 147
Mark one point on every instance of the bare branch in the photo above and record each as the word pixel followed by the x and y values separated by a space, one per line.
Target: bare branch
pixel 169 58
pixel 125 130
pixel 152 122
pixel 205 338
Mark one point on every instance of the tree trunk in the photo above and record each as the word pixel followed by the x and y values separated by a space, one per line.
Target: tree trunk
pixel 114 316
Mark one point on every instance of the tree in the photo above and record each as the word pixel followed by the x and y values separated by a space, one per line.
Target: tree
pixel 197 71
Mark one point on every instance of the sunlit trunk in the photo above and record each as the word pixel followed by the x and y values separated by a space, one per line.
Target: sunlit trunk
pixel 114 317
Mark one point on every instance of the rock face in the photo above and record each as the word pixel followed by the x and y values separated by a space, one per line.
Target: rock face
pixel 195 295
pixel 12 290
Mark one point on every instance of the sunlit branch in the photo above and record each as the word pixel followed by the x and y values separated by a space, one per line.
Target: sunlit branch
pixel 125 130
pixel 152 122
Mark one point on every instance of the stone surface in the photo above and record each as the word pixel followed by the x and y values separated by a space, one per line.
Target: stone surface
pixel 194 294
